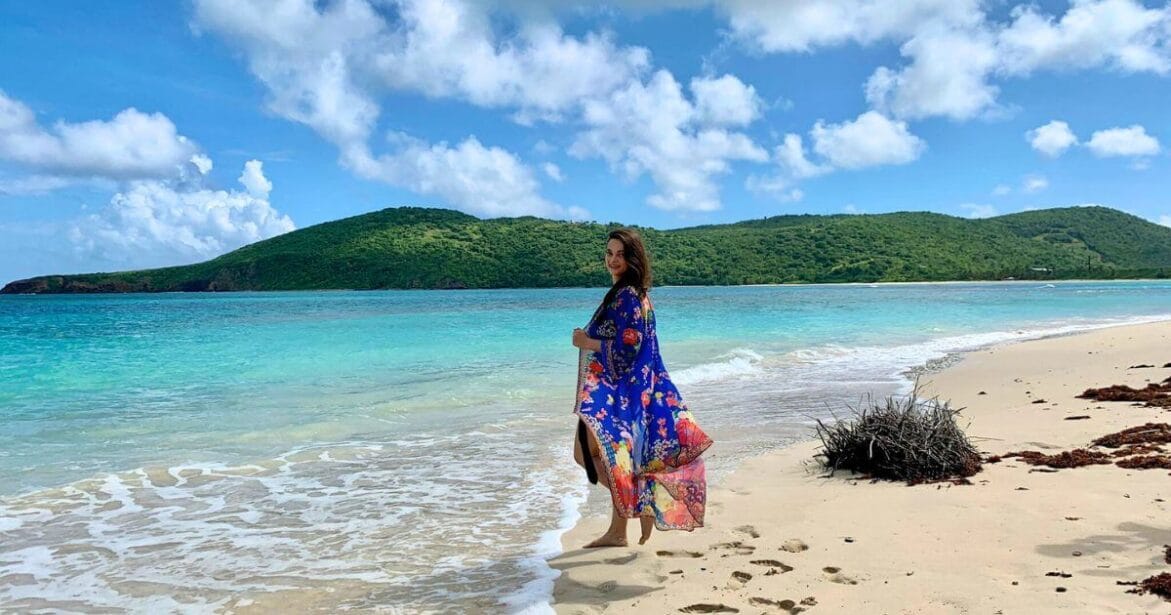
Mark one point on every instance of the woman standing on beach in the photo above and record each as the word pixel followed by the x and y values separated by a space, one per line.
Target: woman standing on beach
pixel 643 443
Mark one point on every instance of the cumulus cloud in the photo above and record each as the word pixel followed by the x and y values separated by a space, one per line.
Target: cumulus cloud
pixel 130 145
pixel 652 128
pixel 725 100
pixel 1052 139
pixel 32 185
pixel 553 172
pixel 1130 141
pixel 870 140
pixel 975 210
pixel 486 181
pixel 1001 190
pixel 449 49
pixel 153 223
pixel 791 156
pixel 947 76
pixel 1034 183
pixel 1165 220
pixel 802 25
pixel 162 213
pixel 325 65
pixel 777 185
pixel 1122 34
pixel 252 179
pixel 954 50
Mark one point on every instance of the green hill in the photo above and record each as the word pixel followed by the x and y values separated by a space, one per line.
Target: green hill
pixel 413 247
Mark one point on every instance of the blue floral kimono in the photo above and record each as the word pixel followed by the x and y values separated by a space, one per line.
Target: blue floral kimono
pixel 649 441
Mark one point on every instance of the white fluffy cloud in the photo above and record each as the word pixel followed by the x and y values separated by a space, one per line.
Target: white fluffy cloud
pixel 947 76
pixel 155 223
pixel 1052 139
pixel 306 58
pixel 870 140
pixel 1165 220
pixel 791 156
pixel 975 210
pixel 448 49
pixel 954 50
pixel 553 172
pixel 162 213
pixel 1034 183
pixel 487 181
pixel 801 25
pixel 653 128
pixel 32 185
pixel 1129 141
pixel 725 101
pixel 325 65
pixel 130 145
pixel 1119 33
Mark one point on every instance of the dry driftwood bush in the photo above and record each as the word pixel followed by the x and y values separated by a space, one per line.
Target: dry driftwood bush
pixel 905 439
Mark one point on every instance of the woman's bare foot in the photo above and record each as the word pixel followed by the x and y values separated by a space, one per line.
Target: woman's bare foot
pixel 648 524
pixel 608 540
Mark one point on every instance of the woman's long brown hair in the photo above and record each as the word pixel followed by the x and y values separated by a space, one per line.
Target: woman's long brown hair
pixel 638 264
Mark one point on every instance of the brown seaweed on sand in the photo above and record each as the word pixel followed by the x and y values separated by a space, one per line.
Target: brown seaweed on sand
pixel 1137 449
pixel 1159 584
pixel 1148 433
pixel 1145 462
pixel 1066 459
pixel 1154 394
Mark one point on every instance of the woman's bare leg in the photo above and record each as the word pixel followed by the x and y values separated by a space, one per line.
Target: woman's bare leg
pixel 578 455
pixel 615 535
pixel 648 524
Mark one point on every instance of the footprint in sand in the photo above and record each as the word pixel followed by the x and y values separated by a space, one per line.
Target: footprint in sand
pixel 787 606
pixel 622 560
pixel 739 579
pixel 678 554
pixel 835 576
pixel 775 567
pixel 608 586
pixel 708 608
pixel 738 546
pixel 794 546
pixel 747 530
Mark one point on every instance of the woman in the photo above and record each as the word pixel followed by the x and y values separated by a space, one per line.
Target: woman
pixel 642 442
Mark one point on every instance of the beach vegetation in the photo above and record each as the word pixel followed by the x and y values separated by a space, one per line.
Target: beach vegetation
pixel 899 438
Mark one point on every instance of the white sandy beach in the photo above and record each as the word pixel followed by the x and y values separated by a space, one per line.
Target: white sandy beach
pixel 780 537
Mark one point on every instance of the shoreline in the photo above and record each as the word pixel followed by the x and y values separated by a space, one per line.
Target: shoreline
pixel 781 496
pixel 375 290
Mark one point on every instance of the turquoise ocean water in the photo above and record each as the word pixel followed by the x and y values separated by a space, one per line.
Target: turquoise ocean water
pixel 407 450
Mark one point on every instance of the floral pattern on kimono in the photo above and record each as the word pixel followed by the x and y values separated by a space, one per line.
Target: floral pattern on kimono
pixel 649 440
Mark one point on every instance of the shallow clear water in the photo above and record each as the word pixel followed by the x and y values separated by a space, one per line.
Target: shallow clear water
pixel 406 449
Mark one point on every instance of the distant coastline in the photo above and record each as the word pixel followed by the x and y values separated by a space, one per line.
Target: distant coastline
pixel 440 249
pixel 761 285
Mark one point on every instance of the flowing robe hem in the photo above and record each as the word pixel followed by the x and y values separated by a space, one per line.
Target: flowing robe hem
pixel 592 424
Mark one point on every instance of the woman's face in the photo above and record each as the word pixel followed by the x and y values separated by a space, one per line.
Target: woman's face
pixel 615 258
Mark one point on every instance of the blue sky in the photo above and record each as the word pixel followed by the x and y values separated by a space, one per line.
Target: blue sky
pixel 143 134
